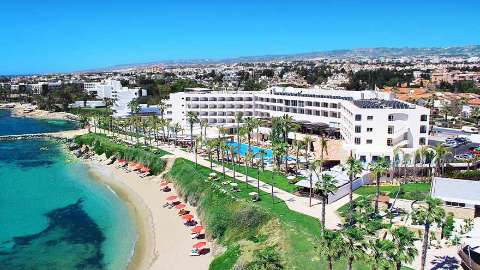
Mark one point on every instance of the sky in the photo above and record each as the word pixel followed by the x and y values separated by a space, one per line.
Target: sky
pixel 62 36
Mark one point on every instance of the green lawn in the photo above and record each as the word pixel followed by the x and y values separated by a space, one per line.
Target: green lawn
pixel 295 235
pixel 279 181
pixel 412 191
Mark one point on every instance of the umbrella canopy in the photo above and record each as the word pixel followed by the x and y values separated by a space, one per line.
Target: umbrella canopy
pixel 171 198
pixel 180 206
pixel 187 217
pixel 137 166
pixel 163 184
pixel 200 245
pixel 212 174
pixel 197 229
pixel 233 184
pixel 291 177
pixel 253 193
pixel 122 162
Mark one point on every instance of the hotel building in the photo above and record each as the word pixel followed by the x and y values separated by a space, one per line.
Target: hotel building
pixel 371 123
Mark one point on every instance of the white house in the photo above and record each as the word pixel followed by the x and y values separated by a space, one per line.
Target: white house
pixel 461 197
pixel 113 89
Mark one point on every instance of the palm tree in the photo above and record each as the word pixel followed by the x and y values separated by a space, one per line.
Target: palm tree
pixel 330 246
pixel 307 140
pixel 248 157
pixel 192 118
pixel 323 147
pixel 277 150
pixel 475 114
pixel 197 142
pixel 298 146
pixel 378 168
pixel 423 155
pixel 262 152
pixel 354 168
pixel 176 127
pixel 429 157
pixel 153 122
pixel 378 253
pixel 162 107
pixel 238 120
pixel 223 148
pixel 404 250
pixel 326 186
pixel 353 247
pixel 416 157
pixel 255 124
pixel 427 214
pixel 406 160
pixel 210 146
pixel 248 129
pixel 231 149
pixel 440 154
pixel 316 168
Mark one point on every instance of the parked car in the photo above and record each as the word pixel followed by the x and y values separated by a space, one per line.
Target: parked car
pixel 469 129
pixel 464 156
pixel 452 144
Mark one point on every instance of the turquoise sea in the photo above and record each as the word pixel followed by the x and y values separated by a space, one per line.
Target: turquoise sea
pixel 53 213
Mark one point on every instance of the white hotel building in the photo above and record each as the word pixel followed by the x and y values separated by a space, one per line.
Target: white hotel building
pixel 371 123
pixel 113 89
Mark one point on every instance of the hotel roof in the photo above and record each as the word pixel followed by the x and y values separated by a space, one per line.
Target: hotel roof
pixel 381 104
pixel 456 190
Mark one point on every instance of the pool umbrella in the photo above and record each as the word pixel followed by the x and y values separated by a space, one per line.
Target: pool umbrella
pixel 197 229
pixel 180 206
pixel 199 245
pixel 233 184
pixel 163 184
pixel 187 217
pixel 171 198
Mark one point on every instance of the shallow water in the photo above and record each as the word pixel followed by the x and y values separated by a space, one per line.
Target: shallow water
pixel 54 214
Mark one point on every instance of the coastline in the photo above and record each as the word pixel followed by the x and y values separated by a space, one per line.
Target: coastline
pixel 163 241
pixel 31 111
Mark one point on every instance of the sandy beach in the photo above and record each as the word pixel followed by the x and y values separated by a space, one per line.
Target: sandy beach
pixel 163 241
pixel 29 110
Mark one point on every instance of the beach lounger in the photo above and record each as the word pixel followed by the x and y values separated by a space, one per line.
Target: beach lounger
pixel 194 252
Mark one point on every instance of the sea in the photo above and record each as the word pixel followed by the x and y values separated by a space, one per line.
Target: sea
pixel 53 213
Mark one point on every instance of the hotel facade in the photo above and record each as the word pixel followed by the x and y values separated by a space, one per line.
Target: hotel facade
pixel 371 123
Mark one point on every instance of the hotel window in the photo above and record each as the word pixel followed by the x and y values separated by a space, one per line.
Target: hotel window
pixel 423 129
pixel 369 141
pixel 422 141
pixel 390 129
pixel 370 117
pixel 454 204
pixel 324 104
pixel 369 129
pixel 325 113
pixel 389 142
pixel 390 117
pixel 358 129
pixel 357 140
pixel 423 117
pixel 358 117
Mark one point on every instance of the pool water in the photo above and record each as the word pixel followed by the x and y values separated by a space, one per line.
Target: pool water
pixel 254 150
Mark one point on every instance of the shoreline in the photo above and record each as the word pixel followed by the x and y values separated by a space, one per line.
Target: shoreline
pixel 31 111
pixel 163 242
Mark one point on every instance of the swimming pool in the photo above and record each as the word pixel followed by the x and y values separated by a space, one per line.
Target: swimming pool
pixel 254 150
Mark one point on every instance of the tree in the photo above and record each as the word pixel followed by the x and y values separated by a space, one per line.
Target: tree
pixel 327 185
pixel 231 149
pixel 427 214
pixel 440 154
pixel 176 127
pixel 378 253
pixel 298 145
pixel 223 148
pixel 307 140
pixel 248 157
pixel 197 142
pixel 192 118
pixel 475 114
pixel 378 168
pixel 404 250
pixel 353 247
pixel 354 168
pixel 266 259
pixel 210 146
pixel 330 246
pixel 238 120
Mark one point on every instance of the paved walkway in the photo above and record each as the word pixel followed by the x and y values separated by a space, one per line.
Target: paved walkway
pixel 295 203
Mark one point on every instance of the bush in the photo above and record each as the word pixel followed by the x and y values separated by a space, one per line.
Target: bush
pixel 103 145
pixel 448 227
pixel 266 259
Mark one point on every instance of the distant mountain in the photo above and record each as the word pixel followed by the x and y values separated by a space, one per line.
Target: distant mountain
pixel 366 53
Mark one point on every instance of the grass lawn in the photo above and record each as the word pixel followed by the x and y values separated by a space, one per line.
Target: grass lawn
pixel 412 191
pixel 279 181
pixel 298 233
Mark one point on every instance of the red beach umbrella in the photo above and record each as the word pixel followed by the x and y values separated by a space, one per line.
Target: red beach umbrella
pixel 163 184
pixel 187 217
pixel 197 229
pixel 171 198
pixel 180 206
pixel 199 245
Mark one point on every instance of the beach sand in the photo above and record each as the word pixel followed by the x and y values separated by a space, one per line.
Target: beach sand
pixel 19 111
pixel 163 241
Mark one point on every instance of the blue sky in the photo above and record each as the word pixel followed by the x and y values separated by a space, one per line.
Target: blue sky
pixel 53 36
